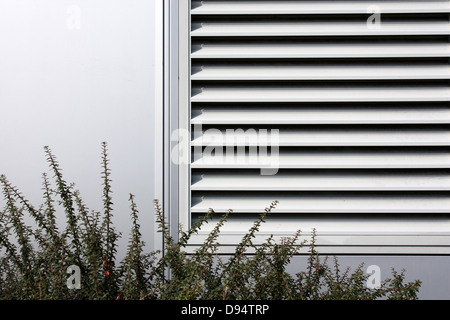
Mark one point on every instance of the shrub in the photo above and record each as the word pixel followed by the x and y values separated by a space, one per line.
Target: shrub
pixel 34 260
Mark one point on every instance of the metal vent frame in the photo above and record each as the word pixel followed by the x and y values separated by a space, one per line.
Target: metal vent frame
pixel 422 226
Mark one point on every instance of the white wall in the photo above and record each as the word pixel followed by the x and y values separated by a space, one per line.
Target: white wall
pixel 73 74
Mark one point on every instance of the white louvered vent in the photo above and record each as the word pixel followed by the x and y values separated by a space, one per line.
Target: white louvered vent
pixel 362 108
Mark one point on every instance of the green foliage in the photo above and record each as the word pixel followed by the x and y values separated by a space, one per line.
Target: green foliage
pixel 34 260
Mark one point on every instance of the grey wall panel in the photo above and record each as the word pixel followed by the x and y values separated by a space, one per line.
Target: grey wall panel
pixel 74 74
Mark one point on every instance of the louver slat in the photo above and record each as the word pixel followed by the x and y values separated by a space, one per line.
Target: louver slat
pixel 316 71
pixel 328 49
pixel 257 114
pixel 320 94
pixel 362 113
pixel 329 28
pixel 241 7
pixel 322 181
pixel 326 137
pixel 327 203
pixel 326 159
